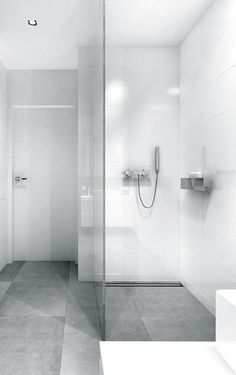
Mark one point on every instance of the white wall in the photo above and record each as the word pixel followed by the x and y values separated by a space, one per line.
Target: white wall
pixel 91 254
pixel 141 113
pixel 3 168
pixel 43 122
pixel 208 135
pixel 86 69
pixel 42 87
pixel 91 156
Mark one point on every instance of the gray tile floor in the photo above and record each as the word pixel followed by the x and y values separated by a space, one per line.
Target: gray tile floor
pixel 49 322
pixel 156 313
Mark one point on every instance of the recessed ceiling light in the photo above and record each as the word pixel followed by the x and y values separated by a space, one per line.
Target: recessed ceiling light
pixel 32 23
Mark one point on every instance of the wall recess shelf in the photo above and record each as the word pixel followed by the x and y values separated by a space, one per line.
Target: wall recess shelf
pixel 196 183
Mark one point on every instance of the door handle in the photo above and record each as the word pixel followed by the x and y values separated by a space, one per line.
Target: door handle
pixel 19 179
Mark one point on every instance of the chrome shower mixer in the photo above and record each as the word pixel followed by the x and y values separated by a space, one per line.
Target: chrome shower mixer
pixel 134 173
pixel 139 173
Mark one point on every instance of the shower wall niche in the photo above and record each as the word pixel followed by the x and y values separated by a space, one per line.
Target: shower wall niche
pixel 142 111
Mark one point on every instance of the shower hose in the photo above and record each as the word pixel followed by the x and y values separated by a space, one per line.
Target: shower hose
pixel 154 194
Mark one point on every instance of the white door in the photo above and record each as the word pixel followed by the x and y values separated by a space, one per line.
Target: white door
pixel 44 204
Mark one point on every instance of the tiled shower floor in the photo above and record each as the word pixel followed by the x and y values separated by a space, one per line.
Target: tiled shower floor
pixel 158 314
pixel 49 322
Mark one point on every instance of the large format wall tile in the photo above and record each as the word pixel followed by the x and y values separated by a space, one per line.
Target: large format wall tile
pixel 142 109
pixel 207 137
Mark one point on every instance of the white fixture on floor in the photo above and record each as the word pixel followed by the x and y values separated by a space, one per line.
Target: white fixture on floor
pixel 226 325
pixel 179 358
pixel 165 358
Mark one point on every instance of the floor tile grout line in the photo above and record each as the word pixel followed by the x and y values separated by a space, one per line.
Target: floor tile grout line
pixel 45 317
pixel 150 339
pixel 11 282
pixel 180 315
pixel 5 292
pixel 30 278
pixel 67 299
pixel 18 272
pixel 134 299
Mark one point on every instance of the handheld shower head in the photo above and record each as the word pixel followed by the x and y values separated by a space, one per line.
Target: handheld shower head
pixel 157 159
pixel 157 168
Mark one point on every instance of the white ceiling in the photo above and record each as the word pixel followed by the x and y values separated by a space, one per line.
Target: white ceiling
pixel 151 22
pixel 66 24
pixel 62 26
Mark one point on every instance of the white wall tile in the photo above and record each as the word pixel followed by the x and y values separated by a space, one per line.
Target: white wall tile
pixel 192 64
pixel 3 168
pixel 115 80
pixel 25 87
pixel 142 245
pixel 191 150
pixel 220 133
pixel 220 55
pixel 3 234
pixel 91 156
pixel 191 107
pixel 116 133
pixel 219 95
pixel 208 221
pixel 149 73
pixel 3 132
pixel 217 19
pixel 223 170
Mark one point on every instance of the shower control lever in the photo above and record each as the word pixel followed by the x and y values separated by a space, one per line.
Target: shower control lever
pixel 127 173
pixel 144 173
